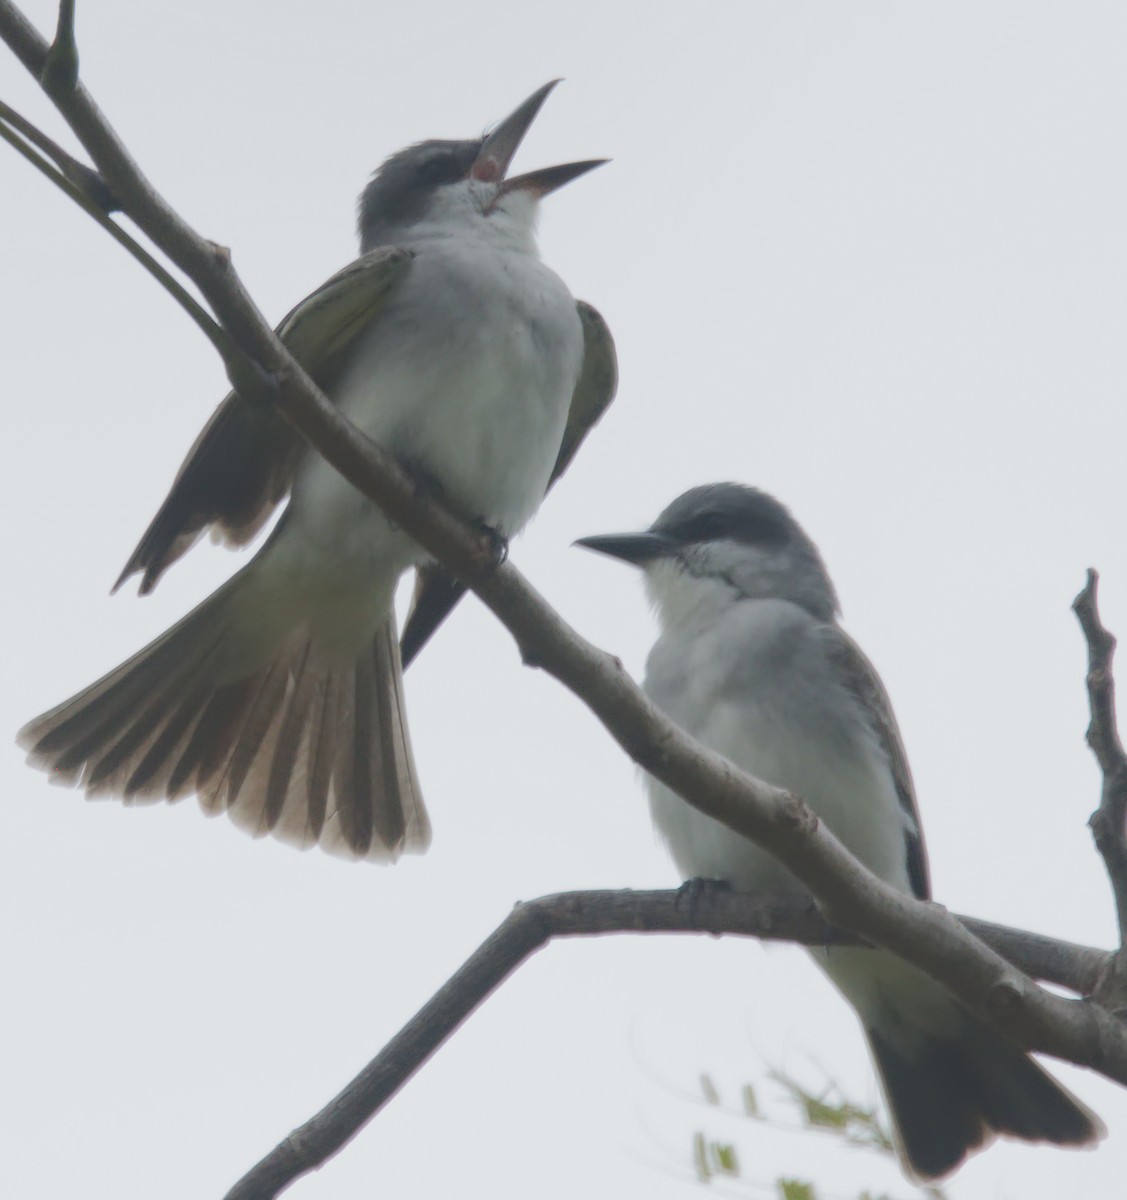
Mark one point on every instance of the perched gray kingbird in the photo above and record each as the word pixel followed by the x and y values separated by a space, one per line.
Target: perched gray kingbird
pixel 751 661
pixel 279 699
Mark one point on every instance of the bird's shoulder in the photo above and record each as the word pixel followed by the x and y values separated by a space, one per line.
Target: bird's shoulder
pixel 768 636
pixel 354 293
pixel 242 464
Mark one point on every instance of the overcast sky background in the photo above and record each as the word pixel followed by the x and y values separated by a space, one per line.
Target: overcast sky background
pixel 869 256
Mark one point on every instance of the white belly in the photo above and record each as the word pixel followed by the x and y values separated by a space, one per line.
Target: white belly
pixel 466 376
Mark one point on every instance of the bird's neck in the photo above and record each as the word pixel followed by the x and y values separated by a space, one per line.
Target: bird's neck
pixel 508 229
pixel 685 601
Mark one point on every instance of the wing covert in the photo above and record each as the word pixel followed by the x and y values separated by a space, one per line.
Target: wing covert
pixel 859 677
pixel 242 464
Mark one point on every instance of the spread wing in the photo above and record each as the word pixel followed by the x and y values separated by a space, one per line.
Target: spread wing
pixel 436 590
pixel 859 677
pixel 243 462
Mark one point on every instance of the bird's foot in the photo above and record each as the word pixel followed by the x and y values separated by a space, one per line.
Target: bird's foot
pixel 694 894
pixel 495 546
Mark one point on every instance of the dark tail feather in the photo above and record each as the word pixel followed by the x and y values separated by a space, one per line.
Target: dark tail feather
pixel 306 747
pixel 950 1096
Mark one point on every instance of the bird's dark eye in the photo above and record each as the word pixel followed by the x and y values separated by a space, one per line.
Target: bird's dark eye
pixel 443 168
pixel 701 527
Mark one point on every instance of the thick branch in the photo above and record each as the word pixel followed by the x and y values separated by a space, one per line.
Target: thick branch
pixel 570 914
pixel 1108 821
pixel 848 894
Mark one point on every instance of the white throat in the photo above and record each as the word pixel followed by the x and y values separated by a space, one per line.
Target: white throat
pixel 471 210
pixel 683 600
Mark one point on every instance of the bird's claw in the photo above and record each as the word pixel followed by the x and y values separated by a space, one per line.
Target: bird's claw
pixel 693 894
pixel 497 545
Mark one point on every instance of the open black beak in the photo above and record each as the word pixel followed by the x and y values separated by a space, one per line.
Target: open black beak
pixel 547 179
pixel 636 548
pixel 496 153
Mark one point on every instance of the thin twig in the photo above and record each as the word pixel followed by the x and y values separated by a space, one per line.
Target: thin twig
pixel 254 363
pixel 59 74
pixel 1107 822
pixel 92 206
pixel 576 914
pixel 85 178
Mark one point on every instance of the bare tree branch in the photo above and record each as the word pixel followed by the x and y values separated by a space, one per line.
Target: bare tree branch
pixel 87 189
pixel 716 910
pixel 846 892
pixel 1107 823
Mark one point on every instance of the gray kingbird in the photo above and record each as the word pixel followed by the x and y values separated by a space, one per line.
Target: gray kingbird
pixel 279 699
pixel 751 661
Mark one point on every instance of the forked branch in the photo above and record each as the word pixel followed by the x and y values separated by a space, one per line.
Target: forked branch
pixel 714 910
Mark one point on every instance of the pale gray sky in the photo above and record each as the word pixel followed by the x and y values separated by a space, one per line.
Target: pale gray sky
pixel 870 256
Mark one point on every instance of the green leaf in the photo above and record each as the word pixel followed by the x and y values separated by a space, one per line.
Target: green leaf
pixel 700 1158
pixel 724 1160
pixel 856 1124
pixel 795 1189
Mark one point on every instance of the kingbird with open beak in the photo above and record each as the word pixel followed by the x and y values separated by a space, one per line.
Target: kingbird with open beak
pixel 751 661
pixel 279 699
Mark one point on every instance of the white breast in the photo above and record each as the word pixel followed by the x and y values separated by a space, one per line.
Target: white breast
pixel 466 376
pixel 753 684
pixel 469 375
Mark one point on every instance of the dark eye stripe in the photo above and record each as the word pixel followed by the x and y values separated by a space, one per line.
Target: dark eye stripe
pixel 701 527
pixel 710 526
pixel 442 168
pixel 730 511
pixel 400 190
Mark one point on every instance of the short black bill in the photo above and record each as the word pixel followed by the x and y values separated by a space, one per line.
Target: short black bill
pixel 636 548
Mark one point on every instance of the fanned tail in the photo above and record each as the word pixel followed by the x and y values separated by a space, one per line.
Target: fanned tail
pixel 302 743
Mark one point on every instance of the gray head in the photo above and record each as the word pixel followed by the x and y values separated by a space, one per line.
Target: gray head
pixel 455 182
pixel 728 541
